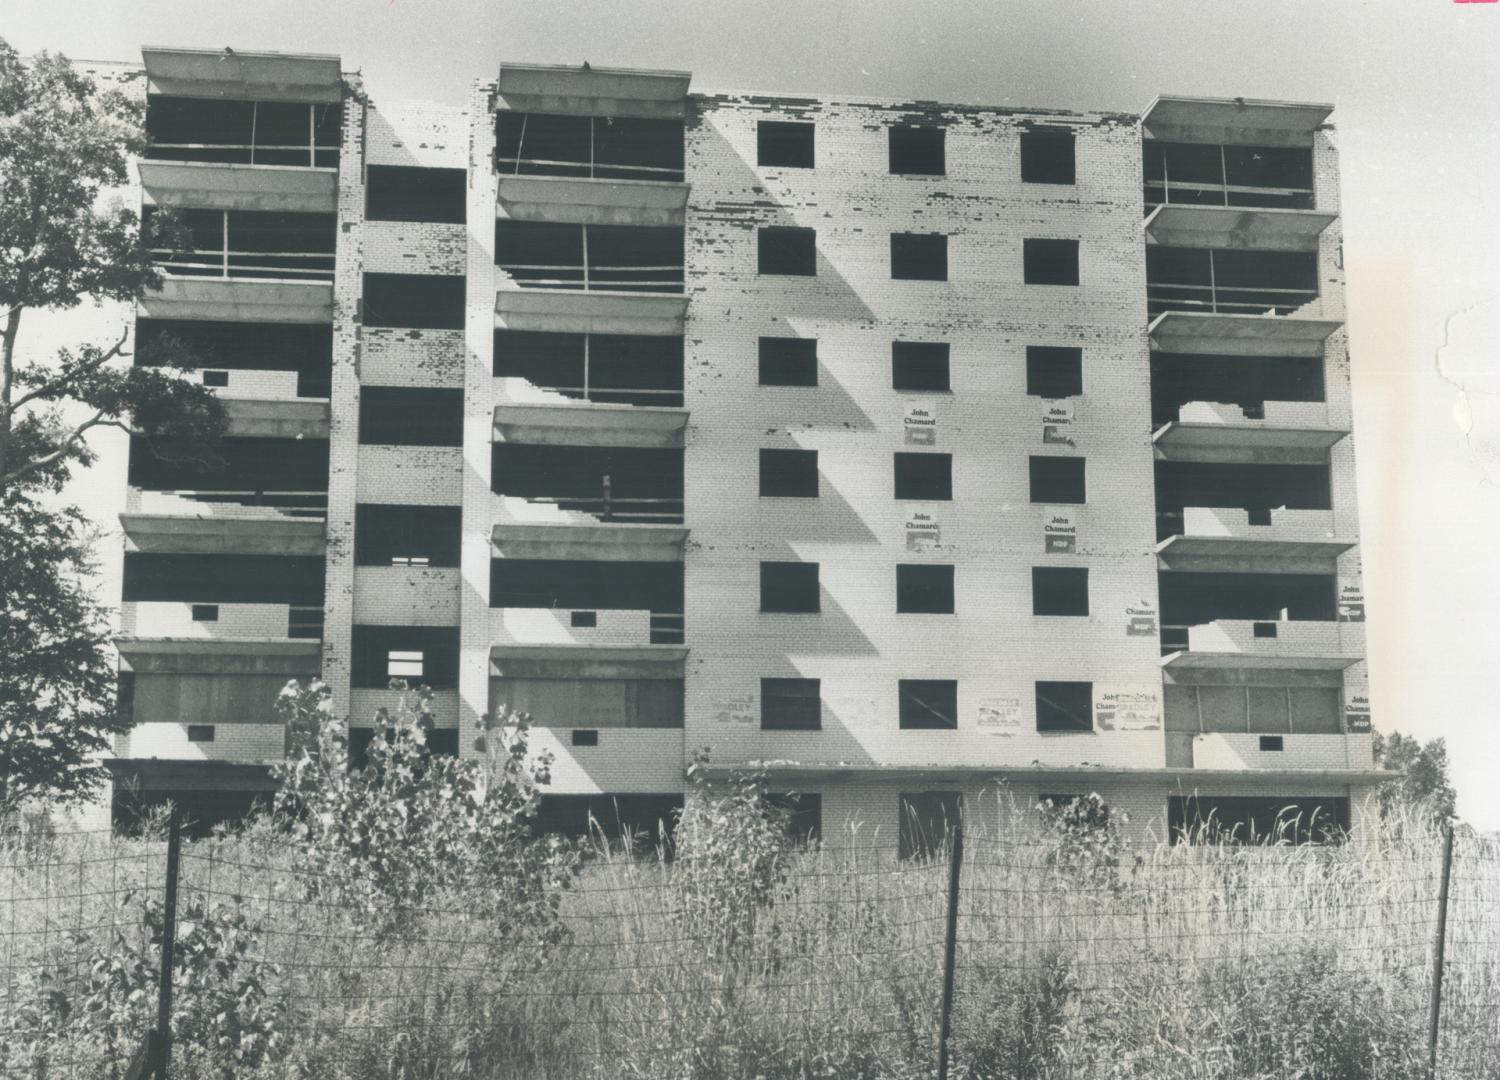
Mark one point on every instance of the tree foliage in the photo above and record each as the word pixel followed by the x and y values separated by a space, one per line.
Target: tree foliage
pixel 1423 786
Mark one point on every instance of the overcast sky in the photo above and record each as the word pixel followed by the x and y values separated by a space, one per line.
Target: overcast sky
pixel 1418 117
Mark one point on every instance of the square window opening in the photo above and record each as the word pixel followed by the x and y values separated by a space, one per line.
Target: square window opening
pixel 791 705
pixel 1050 262
pixel 789 587
pixel 919 365
pixel 583 618
pixel 585 737
pixel 928 704
pixel 919 257
pixel 1047 157
pixel 789 474
pixel 1264 629
pixel 1271 743
pixel 200 733
pixel 785 143
pixel 1057 480
pixel 1059 590
pixel 788 361
pixel 923 589
pixel 216 378
pixel 917 151
pixel 1054 371
pixel 1064 706
pixel 924 476
pixel 205 613
pixel 787 251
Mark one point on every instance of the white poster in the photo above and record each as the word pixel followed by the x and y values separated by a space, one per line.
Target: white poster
pixel 1140 619
pixel 1000 714
pixel 922 530
pixel 1357 714
pixel 1060 533
pixel 739 710
pixel 1057 422
pixel 1127 708
pixel 1351 601
pixel 920 423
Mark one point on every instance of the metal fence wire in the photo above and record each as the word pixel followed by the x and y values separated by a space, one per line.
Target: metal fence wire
pixel 995 958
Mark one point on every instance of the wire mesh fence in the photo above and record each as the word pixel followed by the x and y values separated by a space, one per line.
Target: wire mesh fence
pixel 1191 962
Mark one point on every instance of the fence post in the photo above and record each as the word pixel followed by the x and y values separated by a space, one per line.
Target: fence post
pixel 950 944
pixel 1435 1005
pixel 168 945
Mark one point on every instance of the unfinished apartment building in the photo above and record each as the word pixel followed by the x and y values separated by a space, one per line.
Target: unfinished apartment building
pixel 902 450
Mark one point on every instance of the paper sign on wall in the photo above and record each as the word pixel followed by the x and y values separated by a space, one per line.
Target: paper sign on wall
pixel 1000 714
pixel 922 530
pixel 1127 708
pixel 1057 422
pixel 1351 602
pixel 1059 533
pixel 920 423
pixel 738 710
pixel 1357 714
pixel 1140 619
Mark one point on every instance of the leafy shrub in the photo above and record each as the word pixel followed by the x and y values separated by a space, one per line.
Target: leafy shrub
pixel 1088 843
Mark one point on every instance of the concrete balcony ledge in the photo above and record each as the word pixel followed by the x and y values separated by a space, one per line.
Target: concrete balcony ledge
pixel 601 542
pixel 635 759
pixel 589 424
pixel 582 661
pixel 554 626
pixel 1237 227
pixel 255 76
pixel 597 312
pixel 1235 751
pixel 262 535
pixel 1229 644
pixel 1234 120
pixel 1190 778
pixel 227 655
pixel 1223 540
pixel 586 201
pixel 1240 335
pixel 593 91
pixel 240 300
pixel 303 418
pixel 1285 414
pixel 217 186
pixel 1250 441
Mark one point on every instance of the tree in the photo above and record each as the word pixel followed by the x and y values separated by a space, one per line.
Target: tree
pixel 64 144
pixel 1423 786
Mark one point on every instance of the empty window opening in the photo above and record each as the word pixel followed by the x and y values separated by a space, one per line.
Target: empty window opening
pixel 205 613
pixel 1243 819
pixel 791 705
pixel 1268 709
pixel 919 256
pixel 784 143
pixel 803 814
pixel 428 654
pixel 1195 598
pixel 788 361
pixel 637 823
pixel 1057 480
pixel 1264 630
pixel 787 250
pixel 211 579
pixel 1271 743
pixel 408 193
pixel 1246 381
pixel 614 369
pixel 1059 590
pixel 304 349
pixel 789 473
pixel 1047 157
pixel 585 737
pixel 417 301
pixel 1256 489
pixel 292 478
pixel 272 244
pixel 594 703
pixel 924 589
pixel 917 151
pixel 919 365
pixel 924 476
pixel 404 664
pixel 584 619
pixel 216 378
pixel 1208 174
pixel 411 416
pixel 1064 706
pixel 200 733
pixel 1054 371
pixel 1050 262
pixel 928 704
pixel 613 483
pixel 611 258
pixel 926 821
pixel 790 587
pixel 305 621
pixel 388 534
pixel 596 147
pixel 243 132
pixel 1229 281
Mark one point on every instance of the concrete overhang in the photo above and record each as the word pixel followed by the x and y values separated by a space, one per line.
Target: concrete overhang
pixel 273 418
pixel 1078 774
pixel 1237 227
pixel 1234 552
pixel 225 300
pixel 590 425
pixel 152 774
pixel 1179 441
pixel 1234 120
pixel 289 656
pixel 1240 335
pixel 583 201
pixel 598 543
pixel 269 535
pixel 593 91
pixel 246 76
pixel 577 312
pixel 588 661
pixel 214 186
pixel 1237 661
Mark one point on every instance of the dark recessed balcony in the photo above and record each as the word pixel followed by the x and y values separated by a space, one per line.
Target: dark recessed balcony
pixel 245 244
pixel 608 258
pixel 1228 175
pixel 1220 281
pixel 236 132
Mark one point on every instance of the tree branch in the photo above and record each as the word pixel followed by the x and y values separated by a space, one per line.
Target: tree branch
pixel 99 419
pixel 86 368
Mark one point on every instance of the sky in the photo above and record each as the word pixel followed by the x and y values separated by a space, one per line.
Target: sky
pixel 1417 110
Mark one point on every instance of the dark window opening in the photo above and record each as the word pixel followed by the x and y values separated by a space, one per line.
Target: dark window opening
pixel 233 346
pixel 216 378
pixel 243 132
pixel 274 244
pixel 1064 706
pixel 1054 371
pixel 788 361
pixel 585 737
pixel 1047 157
pixel 927 819
pixel 411 416
pixel 1059 590
pixel 290 474
pixel 1271 743
pixel 637 822
pixel 791 705
pixel 200 733
pixel 615 369
pixel 407 193
pixel 1192 598
pixel 584 619
pixel 1240 819
pixel 416 301
pixel 790 587
pixel 222 579
pixel 600 147
pixel 924 589
pixel 425 655
pixel 205 613
pixel 1246 381
pixel 586 585
pixel 917 151
pixel 611 258
pixel 919 365
pixel 388 534
pixel 785 143
pixel 928 704
pixel 804 814
pixel 1256 489
pixel 919 257
pixel 924 476
pixel 1263 630
pixel 1050 262
pixel 614 483
pixel 590 702
pixel 1229 281
pixel 1207 174
pixel 787 250
pixel 1057 480
pixel 789 473
pixel 305 621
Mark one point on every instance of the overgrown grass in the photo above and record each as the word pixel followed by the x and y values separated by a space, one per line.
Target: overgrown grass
pixel 1179 963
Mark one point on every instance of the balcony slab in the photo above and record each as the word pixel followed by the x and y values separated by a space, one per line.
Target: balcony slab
pixel 585 201
pixel 604 542
pixel 272 419
pixel 588 424
pixel 598 312
pixel 1234 120
pixel 226 300
pixel 1237 227
pixel 593 91
pixel 215 186
pixel 1240 335
pixel 259 535
pixel 247 76
pixel 1247 442
pixel 298 656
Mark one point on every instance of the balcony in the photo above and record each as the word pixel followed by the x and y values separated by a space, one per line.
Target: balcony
pixel 592 91
pixel 590 258
pixel 568 312
pixel 1233 122
pixel 610 601
pixel 222 73
pixel 1235 751
pixel 215 186
pixel 258 478
pixel 283 656
pixel 1233 228
pixel 1233 540
pixel 263 418
pixel 1229 281
pixel 210 621
pixel 1230 175
pixel 521 539
pixel 260 361
pixel 624 484
pixel 641 370
pixel 241 245
pixel 237 535
pixel 1293 432
pixel 1204 331
pixel 1257 489
pixel 590 425
pixel 1249 645
pixel 1287 391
